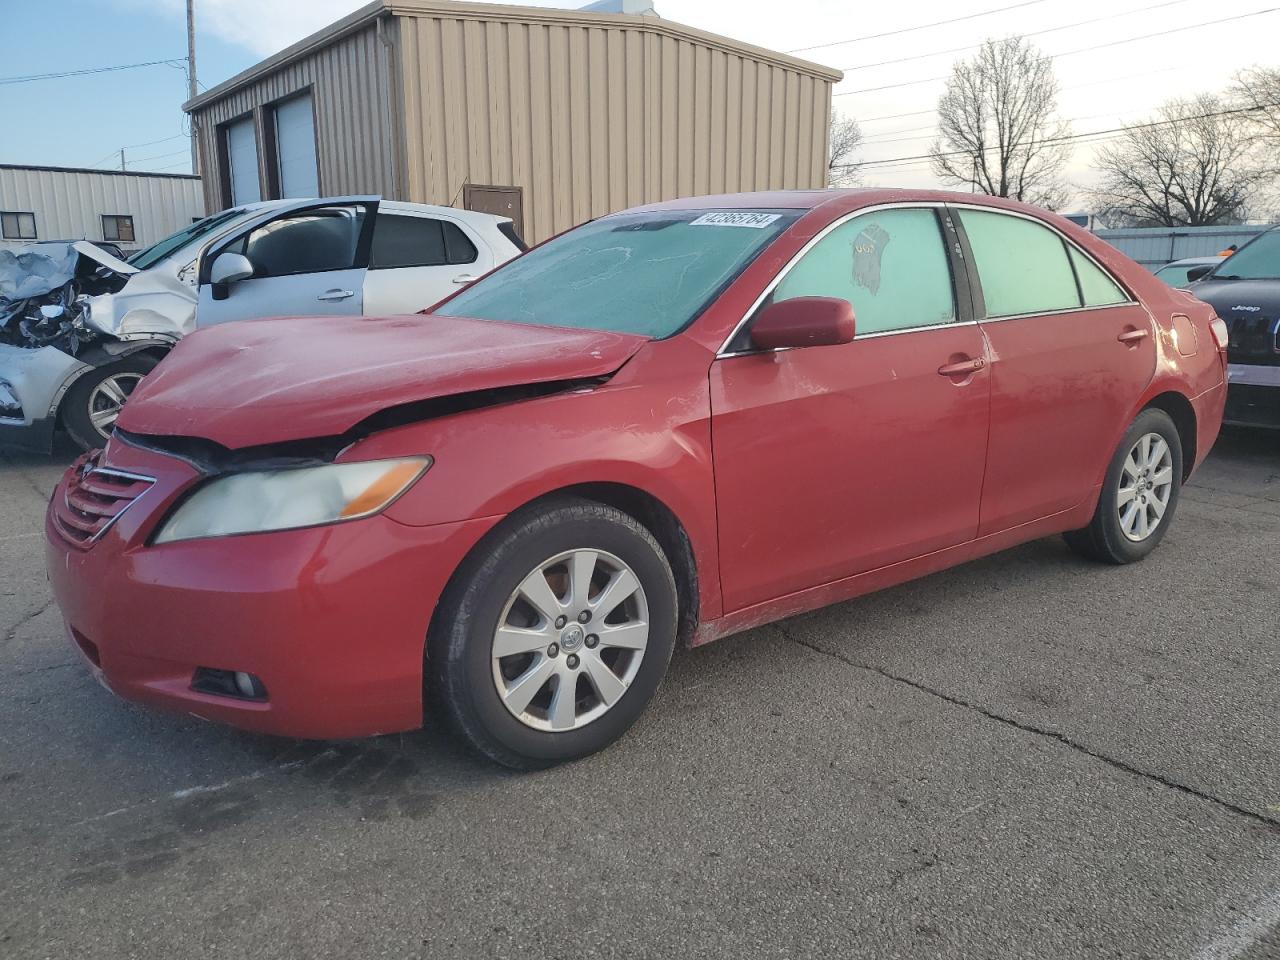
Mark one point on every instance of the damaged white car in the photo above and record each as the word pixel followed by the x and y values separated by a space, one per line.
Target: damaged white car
pixel 79 328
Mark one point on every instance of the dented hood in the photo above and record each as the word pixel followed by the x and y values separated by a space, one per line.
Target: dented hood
pixel 269 381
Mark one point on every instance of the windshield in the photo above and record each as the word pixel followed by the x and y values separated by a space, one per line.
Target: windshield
pixel 1259 260
pixel 176 241
pixel 646 273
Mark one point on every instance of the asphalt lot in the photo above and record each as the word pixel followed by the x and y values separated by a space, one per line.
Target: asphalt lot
pixel 1028 756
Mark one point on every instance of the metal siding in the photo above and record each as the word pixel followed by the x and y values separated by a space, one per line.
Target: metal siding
pixel 69 204
pixel 589 119
pixel 1155 246
pixel 352 90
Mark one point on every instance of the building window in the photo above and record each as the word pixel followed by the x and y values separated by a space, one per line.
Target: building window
pixel 18 226
pixel 117 227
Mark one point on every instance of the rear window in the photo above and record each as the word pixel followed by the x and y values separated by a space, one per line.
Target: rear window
pixel 650 273
pixel 1023 266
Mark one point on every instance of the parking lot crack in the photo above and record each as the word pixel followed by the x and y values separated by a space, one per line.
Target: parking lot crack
pixel 12 633
pixel 1039 731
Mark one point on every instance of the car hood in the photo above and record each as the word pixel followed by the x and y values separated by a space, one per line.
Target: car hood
pixel 256 382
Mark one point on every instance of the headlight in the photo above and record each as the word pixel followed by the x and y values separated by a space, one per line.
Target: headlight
pixel 287 499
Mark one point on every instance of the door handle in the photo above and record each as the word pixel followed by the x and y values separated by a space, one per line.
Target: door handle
pixel 464 278
pixel 1131 336
pixel 962 367
pixel 336 294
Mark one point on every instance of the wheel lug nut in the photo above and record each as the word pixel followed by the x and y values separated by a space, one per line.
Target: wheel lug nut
pixel 561 621
pixel 584 616
pixel 572 661
pixel 592 640
pixel 553 650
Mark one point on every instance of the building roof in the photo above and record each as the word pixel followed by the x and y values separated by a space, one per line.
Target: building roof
pixel 105 173
pixel 371 12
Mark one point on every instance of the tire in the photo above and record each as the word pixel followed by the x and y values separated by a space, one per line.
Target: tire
pixel 465 667
pixel 1118 537
pixel 91 396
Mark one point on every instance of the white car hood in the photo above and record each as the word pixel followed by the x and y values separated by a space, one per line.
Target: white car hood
pixel 100 256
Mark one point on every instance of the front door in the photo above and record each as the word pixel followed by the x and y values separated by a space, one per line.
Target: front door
pixel 306 262
pixel 831 461
pixel 1072 355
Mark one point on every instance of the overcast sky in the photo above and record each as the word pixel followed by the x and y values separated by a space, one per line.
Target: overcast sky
pixel 83 121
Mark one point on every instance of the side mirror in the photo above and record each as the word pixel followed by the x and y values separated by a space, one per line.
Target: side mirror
pixel 230 267
pixel 1199 272
pixel 803 322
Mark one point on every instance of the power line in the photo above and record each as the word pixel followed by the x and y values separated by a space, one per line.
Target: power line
pixel 1074 86
pixel 161 156
pixel 891 161
pixel 923 26
pixel 1032 33
pixel 1069 53
pixel 84 72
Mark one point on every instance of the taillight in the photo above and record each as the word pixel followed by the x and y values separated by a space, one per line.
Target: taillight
pixel 1220 333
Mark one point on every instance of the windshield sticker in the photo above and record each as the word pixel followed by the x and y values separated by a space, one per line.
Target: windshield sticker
pixel 868 250
pixel 756 221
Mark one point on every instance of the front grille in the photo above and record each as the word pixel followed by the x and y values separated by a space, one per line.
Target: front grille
pixel 92 499
pixel 1253 339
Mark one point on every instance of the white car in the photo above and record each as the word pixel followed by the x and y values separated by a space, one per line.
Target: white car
pixel 73 353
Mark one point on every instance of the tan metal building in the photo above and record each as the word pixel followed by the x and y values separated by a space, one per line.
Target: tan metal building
pixel 549 116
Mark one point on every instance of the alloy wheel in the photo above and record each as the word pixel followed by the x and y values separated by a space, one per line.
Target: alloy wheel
pixel 570 640
pixel 1146 484
pixel 108 397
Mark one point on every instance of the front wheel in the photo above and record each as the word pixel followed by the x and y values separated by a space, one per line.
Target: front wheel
pixel 93 404
pixel 554 634
pixel 1139 495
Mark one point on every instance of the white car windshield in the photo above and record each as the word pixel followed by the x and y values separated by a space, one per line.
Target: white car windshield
pixel 153 254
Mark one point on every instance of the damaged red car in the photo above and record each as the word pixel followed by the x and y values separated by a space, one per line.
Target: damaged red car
pixel 664 426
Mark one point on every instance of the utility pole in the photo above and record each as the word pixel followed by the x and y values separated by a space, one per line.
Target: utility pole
pixel 122 158
pixel 191 79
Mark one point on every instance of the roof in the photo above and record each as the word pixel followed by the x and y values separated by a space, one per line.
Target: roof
pixel 851 198
pixel 105 173
pixel 372 12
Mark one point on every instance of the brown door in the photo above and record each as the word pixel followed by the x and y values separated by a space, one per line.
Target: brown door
pixel 500 201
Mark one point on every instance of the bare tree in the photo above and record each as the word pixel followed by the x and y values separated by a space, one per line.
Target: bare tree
pixel 997 125
pixel 844 138
pixel 1257 89
pixel 1194 164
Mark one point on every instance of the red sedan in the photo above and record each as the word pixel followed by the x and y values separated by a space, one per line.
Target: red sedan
pixel 662 427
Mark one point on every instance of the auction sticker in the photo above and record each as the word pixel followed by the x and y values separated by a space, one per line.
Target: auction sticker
pixel 735 218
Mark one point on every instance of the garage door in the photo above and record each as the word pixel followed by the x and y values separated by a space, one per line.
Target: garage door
pixel 296 148
pixel 242 157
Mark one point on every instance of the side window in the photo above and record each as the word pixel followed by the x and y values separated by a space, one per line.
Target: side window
pixel 310 241
pixel 1023 266
pixel 1098 289
pixel 418 242
pixel 892 266
pixel 461 249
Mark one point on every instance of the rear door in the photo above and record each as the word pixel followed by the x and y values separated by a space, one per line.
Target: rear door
pixel 308 260
pixel 418 259
pixel 1072 354
pixel 834 460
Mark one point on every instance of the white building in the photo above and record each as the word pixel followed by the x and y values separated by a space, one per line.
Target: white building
pixel 130 210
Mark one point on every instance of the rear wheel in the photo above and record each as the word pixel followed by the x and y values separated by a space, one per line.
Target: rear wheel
pixel 1139 495
pixel 554 635
pixel 93 404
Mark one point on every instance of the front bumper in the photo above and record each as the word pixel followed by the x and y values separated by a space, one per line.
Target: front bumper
pixel 37 379
pixel 332 620
pixel 1253 395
